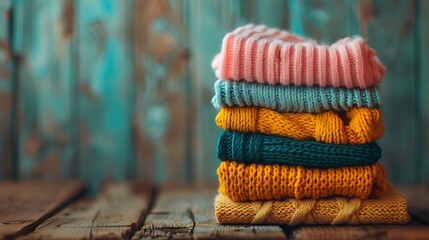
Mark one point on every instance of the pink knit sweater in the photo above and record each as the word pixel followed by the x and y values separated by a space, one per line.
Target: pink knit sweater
pixel 267 55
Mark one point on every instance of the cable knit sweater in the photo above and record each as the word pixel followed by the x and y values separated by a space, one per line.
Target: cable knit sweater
pixel 357 126
pixel 268 55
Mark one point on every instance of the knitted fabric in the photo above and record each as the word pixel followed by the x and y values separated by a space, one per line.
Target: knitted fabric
pixel 357 126
pixel 267 149
pixel 253 182
pixel 267 55
pixel 390 208
pixel 283 98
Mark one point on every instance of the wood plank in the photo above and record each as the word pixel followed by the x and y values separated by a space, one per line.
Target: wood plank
pixel 105 91
pixel 116 213
pixel 25 205
pixel 422 51
pixel 324 20
pixel 207 22
pixel 5 90
pixel 410 231
pixel 44 39
pixel 161 120
pixel 394 40
pixel 417 199
pixel 181 213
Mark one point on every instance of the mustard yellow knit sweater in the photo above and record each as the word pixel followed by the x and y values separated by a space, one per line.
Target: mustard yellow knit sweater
pixel 253 182
pixel 357 126
pixel 391 208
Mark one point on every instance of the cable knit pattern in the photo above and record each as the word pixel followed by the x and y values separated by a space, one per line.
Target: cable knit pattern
pixel 391 208
pixel 268 55
pixel 267 149
pixel 254 182
pixel 282 98
pixel 360 125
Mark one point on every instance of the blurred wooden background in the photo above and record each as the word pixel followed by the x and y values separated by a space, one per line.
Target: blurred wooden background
pixel 115 90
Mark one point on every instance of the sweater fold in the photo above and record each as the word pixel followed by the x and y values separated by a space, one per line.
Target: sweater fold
pixel 282 98
pixel 255 182
pixel 267 149
pixel 357 126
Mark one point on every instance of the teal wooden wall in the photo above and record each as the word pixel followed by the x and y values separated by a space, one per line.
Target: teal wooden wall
pixel 116 90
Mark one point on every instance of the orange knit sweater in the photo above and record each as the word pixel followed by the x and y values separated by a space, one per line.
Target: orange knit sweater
pixel 391 208
pixel 357 126
pixel 253 182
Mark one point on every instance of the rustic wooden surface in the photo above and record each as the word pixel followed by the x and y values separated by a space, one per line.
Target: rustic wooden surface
pixel 113 214
pixel 5 90
pixel 117 90
pixel 139 211
pixel 25 205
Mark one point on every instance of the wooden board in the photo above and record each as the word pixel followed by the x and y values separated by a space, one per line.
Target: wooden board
pixel 161 121
pixel 410 232
pixel 44 40
pixel 422 42
pixel 323 20
pixel 5 90
pixel 105 91
pixel 116 213
pixel 25 205
pixel 189 214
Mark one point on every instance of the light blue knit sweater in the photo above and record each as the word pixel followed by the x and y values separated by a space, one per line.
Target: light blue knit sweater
pixel 291 98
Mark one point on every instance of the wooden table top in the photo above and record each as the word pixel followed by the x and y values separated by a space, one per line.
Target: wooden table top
pixel 36 210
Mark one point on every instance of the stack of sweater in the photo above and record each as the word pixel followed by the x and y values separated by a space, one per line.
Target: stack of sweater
pixel 301 123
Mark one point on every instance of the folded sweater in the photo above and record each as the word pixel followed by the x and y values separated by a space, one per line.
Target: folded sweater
pixel 357 126
pixel 253 182
pixel 268 55
pixel 289 98
pixel 391 208
pixel 267 149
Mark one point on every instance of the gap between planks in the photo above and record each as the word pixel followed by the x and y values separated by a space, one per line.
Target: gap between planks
pixel 26 205
pixel 117 212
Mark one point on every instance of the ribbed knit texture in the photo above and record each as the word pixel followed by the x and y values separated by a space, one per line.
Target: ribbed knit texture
pixel 357 126
pixel 282 98
pixel 268 149
pixel 267 55
pixel 253 182
pixel 391 208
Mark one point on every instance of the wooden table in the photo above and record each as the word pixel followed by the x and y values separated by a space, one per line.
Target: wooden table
pixel 35 210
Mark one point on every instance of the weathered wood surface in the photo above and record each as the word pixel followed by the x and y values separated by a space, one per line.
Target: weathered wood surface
pixel 116 213
pixel 162 114
pixel 422 117
pixel 5 90
pixel 189 214
pixel 25 205
pixel 44 39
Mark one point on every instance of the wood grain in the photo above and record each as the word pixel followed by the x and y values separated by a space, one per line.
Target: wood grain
pixel 422 51
pixel 393 37
pixel 189 214
pixel 25 205
pixel 161 117
pixel 105 91
pixel 5 90
pixel 324 20
pixel 114 214
pixel 44 38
